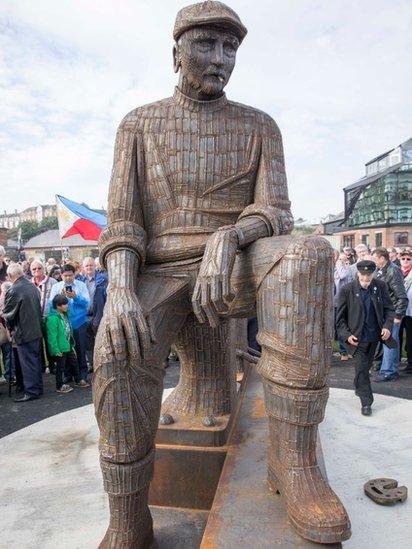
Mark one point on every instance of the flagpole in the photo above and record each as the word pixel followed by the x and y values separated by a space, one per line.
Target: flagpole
pixel 58 223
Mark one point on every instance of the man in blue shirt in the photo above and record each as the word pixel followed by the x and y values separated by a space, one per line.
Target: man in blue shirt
pixel 96 283
pixel 78 295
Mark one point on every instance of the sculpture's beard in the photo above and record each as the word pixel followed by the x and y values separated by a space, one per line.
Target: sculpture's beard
pixel 213 84
pixel 206 84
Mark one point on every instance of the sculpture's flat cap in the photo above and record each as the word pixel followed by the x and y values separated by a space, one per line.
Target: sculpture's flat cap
pixel 366 266
pixel 208 13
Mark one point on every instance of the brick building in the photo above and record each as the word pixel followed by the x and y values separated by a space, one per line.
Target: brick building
pixel 378 207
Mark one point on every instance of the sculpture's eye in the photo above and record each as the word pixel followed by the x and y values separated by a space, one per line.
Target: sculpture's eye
pixel 204 45
pixel 229 49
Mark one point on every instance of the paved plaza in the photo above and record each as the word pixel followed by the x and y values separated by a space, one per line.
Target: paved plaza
pixel 42 505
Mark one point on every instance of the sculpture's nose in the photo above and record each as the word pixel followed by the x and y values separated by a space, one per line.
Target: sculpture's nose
pixel 217 58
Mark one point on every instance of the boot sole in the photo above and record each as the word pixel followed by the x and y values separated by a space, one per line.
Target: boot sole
pixel 305 531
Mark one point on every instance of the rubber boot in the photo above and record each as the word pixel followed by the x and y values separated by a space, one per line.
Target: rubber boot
pixel 127 485
pixel 314 509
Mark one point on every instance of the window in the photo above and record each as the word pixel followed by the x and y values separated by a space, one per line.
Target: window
pixel 378 239
pixel 395 156
pixel 401 239
pixel 349 241
pixel 372 168
pixel 383 163
pixel 365 239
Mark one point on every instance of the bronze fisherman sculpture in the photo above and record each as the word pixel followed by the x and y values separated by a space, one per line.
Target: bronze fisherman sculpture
pixel 198 232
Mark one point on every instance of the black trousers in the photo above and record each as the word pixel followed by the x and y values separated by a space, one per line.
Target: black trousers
pixel 67 363
pixel 363 360
pixel 407 323
pixel 31 367
pixel 90 339
pixel 80 335
pixel 252 330
pixel 17 370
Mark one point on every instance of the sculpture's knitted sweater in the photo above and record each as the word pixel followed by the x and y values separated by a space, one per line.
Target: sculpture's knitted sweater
pixel 183 168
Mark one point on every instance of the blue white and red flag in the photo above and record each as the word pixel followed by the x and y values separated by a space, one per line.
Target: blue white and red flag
pixel 75 218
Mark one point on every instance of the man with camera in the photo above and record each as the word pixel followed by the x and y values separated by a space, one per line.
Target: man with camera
pixel 78 295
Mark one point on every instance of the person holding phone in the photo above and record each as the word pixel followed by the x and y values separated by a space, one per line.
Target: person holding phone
pixel 365 315
pixel 78 295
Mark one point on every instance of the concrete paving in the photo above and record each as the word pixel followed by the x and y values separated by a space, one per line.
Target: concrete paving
pixel 51 493
pixel 17 416
pixel 357 449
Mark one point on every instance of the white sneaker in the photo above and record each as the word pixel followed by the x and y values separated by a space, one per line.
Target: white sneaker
pixel 65 389
pixel 3 380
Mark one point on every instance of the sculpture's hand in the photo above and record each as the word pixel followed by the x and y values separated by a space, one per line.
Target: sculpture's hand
pixel 128 328
pixel 212 293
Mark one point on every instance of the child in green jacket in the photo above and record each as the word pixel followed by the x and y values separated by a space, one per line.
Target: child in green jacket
pixel 61 344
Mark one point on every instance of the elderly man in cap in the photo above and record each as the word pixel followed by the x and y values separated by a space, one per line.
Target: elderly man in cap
pixel 365 316
pixel 199 227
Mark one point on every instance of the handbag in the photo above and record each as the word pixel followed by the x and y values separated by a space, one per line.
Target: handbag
pixel 4 335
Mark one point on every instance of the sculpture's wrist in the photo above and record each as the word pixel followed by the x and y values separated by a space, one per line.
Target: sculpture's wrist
pixel 250 229
pixel 227 235
pixel 122 268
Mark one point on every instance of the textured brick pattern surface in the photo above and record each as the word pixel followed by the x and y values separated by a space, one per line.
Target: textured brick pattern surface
pixel 198 232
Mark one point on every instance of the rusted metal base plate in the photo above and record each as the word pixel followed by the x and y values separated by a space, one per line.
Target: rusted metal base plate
pixel 186 476
pixel 178 527
pixel 189 431
pixel 244 513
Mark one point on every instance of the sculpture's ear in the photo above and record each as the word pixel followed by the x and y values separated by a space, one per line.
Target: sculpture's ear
pixel 176 58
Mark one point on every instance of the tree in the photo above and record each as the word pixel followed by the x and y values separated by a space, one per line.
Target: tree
pixel 33 228
pixel 48 223
pixel 29 229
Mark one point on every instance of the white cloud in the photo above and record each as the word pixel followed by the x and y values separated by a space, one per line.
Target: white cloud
pixel 335 75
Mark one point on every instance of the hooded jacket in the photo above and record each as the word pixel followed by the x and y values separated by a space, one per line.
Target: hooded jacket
pixel 56 334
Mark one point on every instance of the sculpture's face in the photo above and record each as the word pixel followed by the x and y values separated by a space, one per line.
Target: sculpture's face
pixel 206 57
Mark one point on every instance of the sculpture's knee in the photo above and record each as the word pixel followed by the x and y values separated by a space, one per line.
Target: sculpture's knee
pixel 311 255
pixel 296 315
pixel 127 406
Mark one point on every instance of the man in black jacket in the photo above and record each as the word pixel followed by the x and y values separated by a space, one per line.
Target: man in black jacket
pixel 392 275
pixel 364 316
pixel 23 316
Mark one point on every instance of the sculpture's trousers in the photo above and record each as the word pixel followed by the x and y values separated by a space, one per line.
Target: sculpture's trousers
pixel 288 281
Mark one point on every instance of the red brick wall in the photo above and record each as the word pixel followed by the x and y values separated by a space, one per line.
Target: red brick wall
pixel 388 235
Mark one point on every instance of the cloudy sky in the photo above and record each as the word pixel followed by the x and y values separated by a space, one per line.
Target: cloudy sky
pixel 335 74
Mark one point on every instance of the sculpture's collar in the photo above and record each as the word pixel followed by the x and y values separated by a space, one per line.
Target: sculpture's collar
pixel 199 106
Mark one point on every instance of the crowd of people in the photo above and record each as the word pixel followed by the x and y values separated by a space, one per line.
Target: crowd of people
pixel 50 313
pixel 49 316
pixel 373 313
